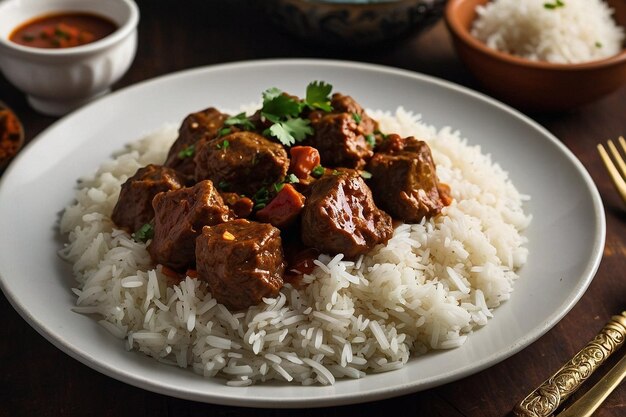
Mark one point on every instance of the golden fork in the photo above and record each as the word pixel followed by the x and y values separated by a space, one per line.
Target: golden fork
pixel 546 399
pixel 617 176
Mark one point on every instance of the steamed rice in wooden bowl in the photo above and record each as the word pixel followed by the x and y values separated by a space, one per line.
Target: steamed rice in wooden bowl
pixel 541 55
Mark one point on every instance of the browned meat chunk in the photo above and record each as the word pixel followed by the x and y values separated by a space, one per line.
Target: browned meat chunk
pixel 340 216
pixel 242 261
pixel 179 218
pixel 200 126
pixel 404 179
pixel 343 137
pixel 346 104
pixel 340 141
pixel 241 162
pixel 134 206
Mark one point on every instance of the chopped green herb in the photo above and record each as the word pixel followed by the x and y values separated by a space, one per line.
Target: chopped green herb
pixel 292 179
pixel 279 186
pixel 335 172
pixel 241 120
pixel 552 6
pixel 261 197
pixel 318 171
pixel 598 44
pixel 28 38
pixel 365 175
pixel 223 145
pixel 259 206
pixel 378 132
pixel 223 185
pixel 284 111
pixel 318 95
pixel 224 132
pixel 277 104
pixel 356 117
pixel 145 233
pixel 187 152
pixel 371 140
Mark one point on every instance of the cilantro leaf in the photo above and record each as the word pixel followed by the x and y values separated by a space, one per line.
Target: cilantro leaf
pixel 291 131
pixel 371 140
pixel 241 119
pixel 280 132
pixel 318 95
pixel 279 105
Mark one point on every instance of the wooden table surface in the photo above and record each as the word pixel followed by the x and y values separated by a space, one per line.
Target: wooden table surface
pixel 37 379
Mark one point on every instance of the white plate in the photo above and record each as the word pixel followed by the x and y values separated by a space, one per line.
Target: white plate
pixel 566 235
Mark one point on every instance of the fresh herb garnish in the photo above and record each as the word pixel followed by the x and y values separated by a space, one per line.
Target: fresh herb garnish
pixel 240 120
pixel 145 233
pixel 356 117
pixel 335 172
pixel 28 38
pixel 223 144
pixel 223 185
pixel 224 132
pixel 187 151
pixel 292 179
pixel 283 111
pixel 277 105
pixel 598 44
pixel 291 130
pixel 552 6
pixel 371 140
pixel 365 175
pixel 318 171
pixel 278 186
pixel 318 95
pixel 261 197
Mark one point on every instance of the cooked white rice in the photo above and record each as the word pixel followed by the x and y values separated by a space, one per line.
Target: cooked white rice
pixel 428 288
pixel 565 31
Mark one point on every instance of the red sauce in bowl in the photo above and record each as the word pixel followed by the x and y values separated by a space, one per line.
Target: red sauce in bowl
pixel 63 30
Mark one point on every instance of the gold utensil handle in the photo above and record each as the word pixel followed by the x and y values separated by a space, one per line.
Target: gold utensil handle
pixel 591 400
pixel 543 401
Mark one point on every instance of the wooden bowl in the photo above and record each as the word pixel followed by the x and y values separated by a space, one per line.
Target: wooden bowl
pixel 534 85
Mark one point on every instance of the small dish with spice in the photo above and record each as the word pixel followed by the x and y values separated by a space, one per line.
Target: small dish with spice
pixel 65 53
pixel 563 70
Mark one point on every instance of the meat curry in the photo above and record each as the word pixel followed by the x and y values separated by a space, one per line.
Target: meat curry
pixel 247 202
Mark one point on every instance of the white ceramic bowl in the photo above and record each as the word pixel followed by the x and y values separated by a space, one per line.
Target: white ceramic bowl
pixel 58 81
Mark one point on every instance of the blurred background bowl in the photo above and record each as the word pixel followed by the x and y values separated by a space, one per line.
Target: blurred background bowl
pixel 353 23
pixel 533 85
pixel 57 81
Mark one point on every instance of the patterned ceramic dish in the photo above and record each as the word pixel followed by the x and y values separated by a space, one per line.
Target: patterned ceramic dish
pixel 353 22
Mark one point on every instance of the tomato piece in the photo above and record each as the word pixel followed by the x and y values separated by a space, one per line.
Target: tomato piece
pixel 303 160
pixel 283 209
